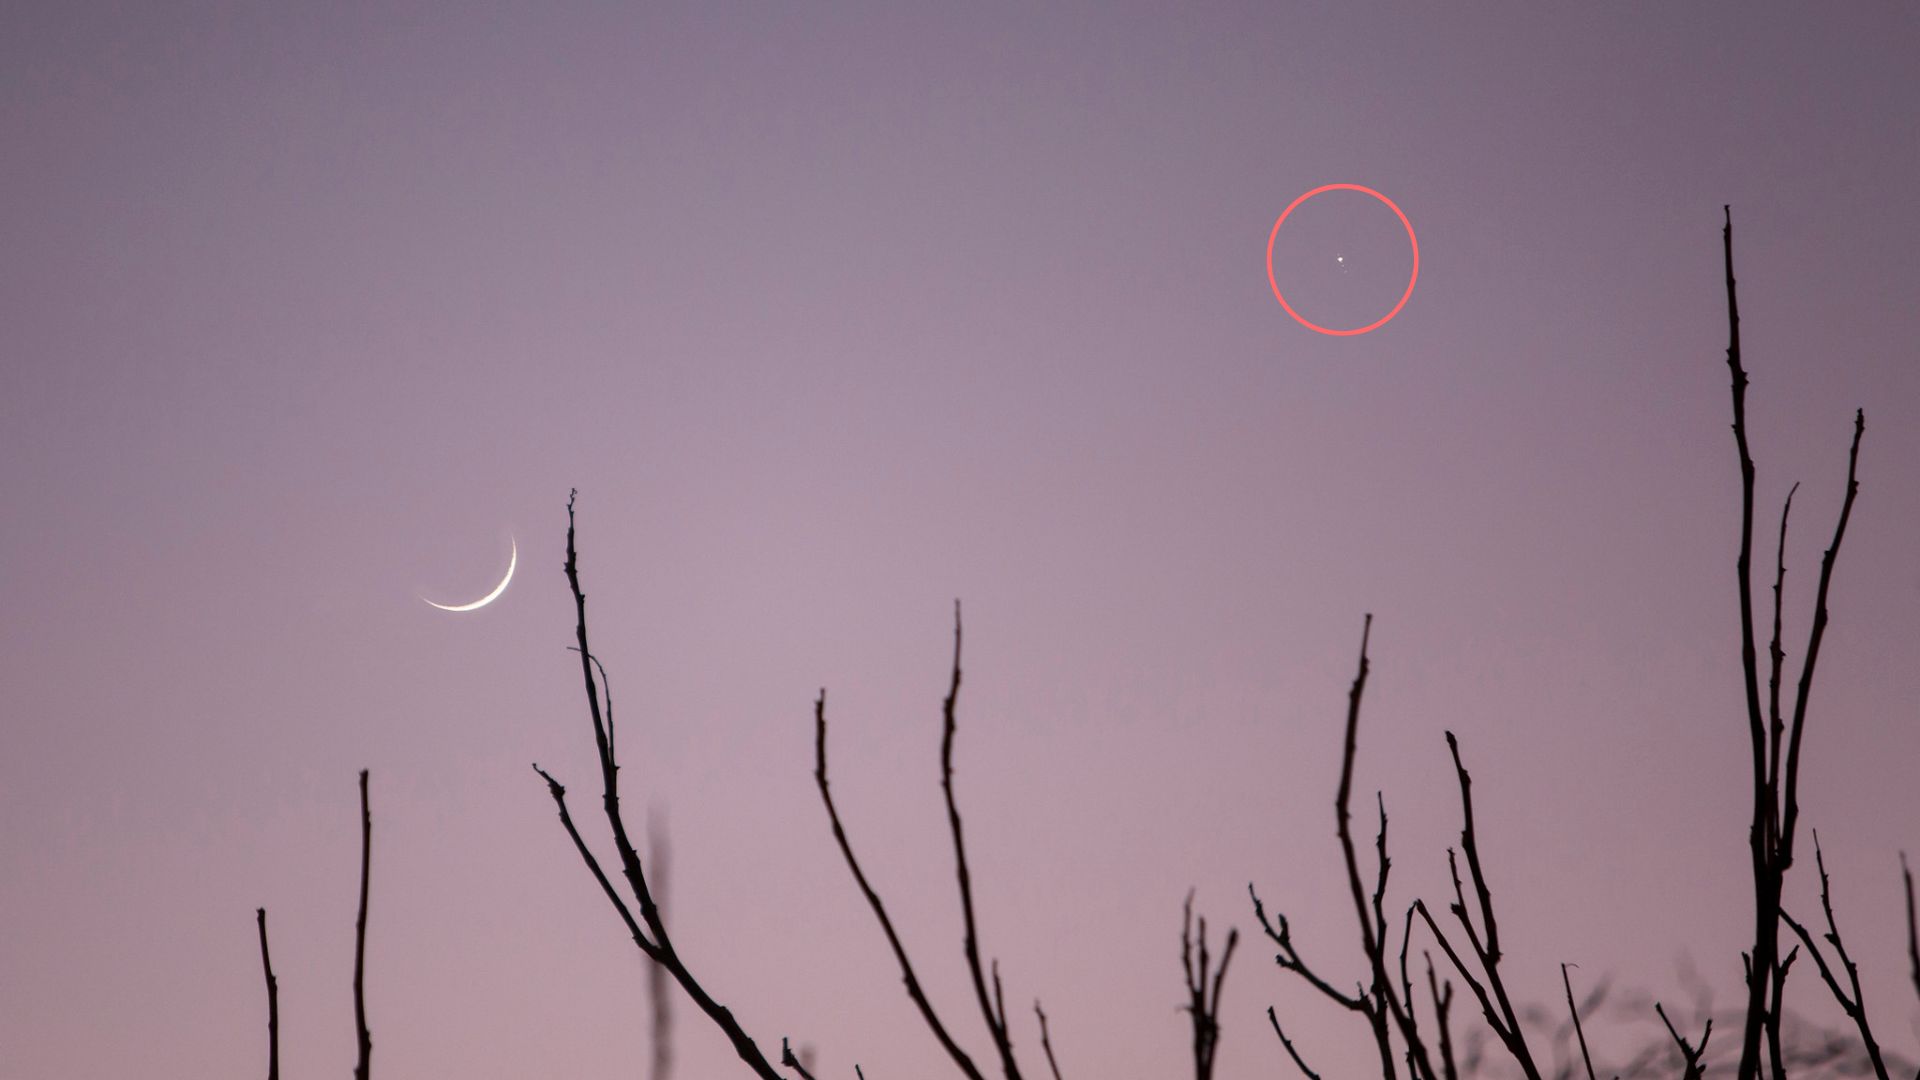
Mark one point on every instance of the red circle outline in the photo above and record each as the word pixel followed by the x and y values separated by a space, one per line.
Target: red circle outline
pixel 1411 278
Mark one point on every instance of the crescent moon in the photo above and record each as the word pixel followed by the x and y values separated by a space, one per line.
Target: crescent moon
pixel 512 561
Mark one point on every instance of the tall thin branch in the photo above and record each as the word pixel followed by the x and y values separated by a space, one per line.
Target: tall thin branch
pixel 364 1066
pixel 655 942
pixel 996 1019
pixel 914 990
pixel 1376 1000
pixel 1814 638
pixel 1573 1010
pixel 273 1001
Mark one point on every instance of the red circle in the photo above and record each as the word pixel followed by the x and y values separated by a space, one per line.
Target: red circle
pixel 1411 278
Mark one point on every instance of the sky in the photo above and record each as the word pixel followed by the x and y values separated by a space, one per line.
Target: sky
pixel 836 314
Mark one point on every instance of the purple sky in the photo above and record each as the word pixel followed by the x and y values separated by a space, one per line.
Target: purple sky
pixel 835 317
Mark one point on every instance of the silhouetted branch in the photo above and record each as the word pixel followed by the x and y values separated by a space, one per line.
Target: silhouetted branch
pixel 1288 1043
pixel 914 991
pixel 1573 1010
pixel 1377 1001
pixel 1776 799
pixel 1493 993
pixel 995 1016
pixel 273 1001
pixel 1046 1042
pixel 1203 1007
pixel 655 943
pixel 791 1062
pixel 360 1070
pixel 1691 1054
pixel 1855 1005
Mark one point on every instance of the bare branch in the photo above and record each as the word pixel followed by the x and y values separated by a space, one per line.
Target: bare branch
pixel 364 1066
pixel 1854 1005
pixel 1691 1054
pixel 1202 1006
pixel 1046 1042
pixel 273 1001
pixel 996 1022
pixel 1814 637
pixel 1288 1043
pixel 1573 1010
pixel 914 991
pixel 655 943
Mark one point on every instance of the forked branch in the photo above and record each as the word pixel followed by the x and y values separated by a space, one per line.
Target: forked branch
pixel 1852 1003
pixel 653 940
pixel 1203 998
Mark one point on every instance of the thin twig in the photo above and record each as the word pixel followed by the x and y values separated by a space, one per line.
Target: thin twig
pixel 1574 1011
pixel 996 1019
pixel 273 1001
pixel 1046 1042
pixel 1288 1043
pixel 364 1066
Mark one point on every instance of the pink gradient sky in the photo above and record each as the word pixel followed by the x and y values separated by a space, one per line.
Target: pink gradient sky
pixel 835 316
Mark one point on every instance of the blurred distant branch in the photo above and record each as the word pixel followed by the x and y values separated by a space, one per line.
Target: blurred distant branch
pixel 1913 924
pixel 659 999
